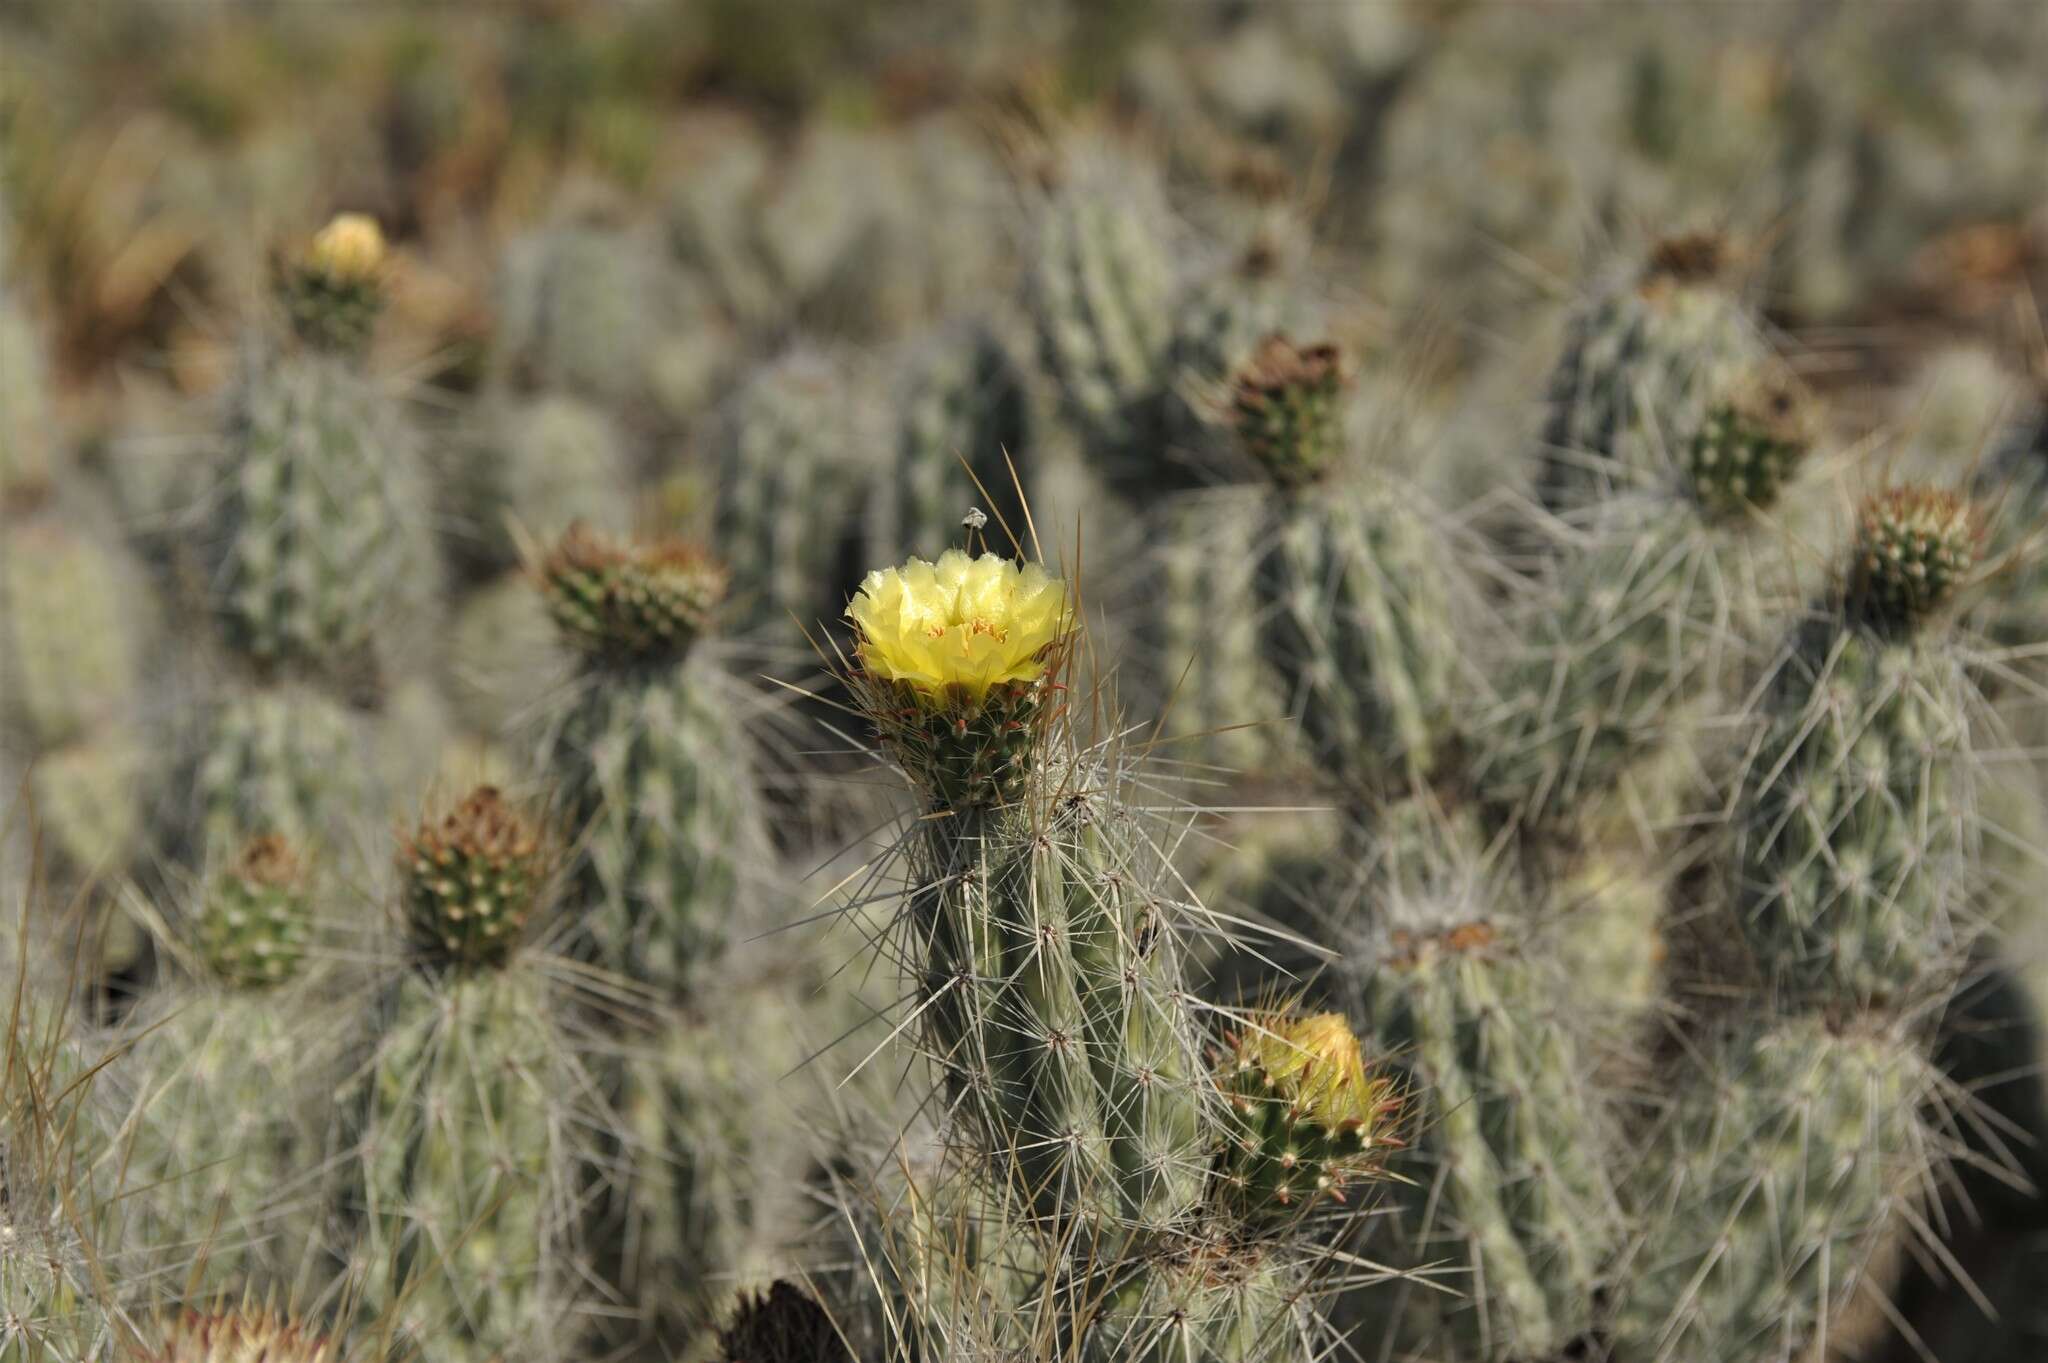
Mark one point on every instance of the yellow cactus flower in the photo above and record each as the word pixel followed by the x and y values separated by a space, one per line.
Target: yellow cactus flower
pixel 349 248
pixel 965 622
pixel 1316 1064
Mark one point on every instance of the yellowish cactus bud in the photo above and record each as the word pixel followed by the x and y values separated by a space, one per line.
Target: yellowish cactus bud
pixel 349 249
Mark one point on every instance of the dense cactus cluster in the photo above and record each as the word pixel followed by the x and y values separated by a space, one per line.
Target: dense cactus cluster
pixel 990 683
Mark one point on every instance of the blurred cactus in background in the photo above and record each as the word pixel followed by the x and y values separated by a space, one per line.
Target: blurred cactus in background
pixel 1082 682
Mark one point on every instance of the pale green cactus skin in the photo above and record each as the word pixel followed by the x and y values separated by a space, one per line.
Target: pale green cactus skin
pixel 1359 614
pixel 504 662
pixel 467 1146
pixel 232 1131
pixel 712 1182
pixel 25 429
pixel 587 310
pixel 285 759
pixel 60 1129
pixel 1102 297
pixel 88 801
pixel 790 486
pixel 1508 1176
pixel 654 776
pixel 312 529
pixel 542 464
pixel 1787 1167
pixel 964 419
pixel 1213 1303
pixel 72 634
pixel 1644 619
pixel 1210 668
pixel 1055 1009
pixel 1856 818
pixel 1639 367
pixel 46 1313
pixel 1511 1140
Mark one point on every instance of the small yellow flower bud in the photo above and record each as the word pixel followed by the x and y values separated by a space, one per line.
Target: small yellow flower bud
pixel 348 249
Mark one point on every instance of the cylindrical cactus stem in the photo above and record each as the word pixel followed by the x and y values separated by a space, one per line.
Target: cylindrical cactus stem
pixel 1856 822
pixel 57 1302
pixel 70 633
pixel 287 760
pixel 1800 1155
pixel 1101 295
pixel 469 1107
pixel 313 526
pixel 540 465
pixel 649 753
pixel 963 442
pixel 791 480
pixel 1508 1170
pixel 26 429
pixel 1640 369
pixel 1037 930
pixel 1656 609
pixel 1213 1300
pixel 1221 699
pixel 591 310
pixel 1354 584
pixel 233 1119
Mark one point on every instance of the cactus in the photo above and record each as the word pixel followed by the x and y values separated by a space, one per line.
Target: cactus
pixel 72 633
pixel 1102 295
pixel 312 529
pixel 25 417
pixel 1788 1166
pixel 1654 611
pixel 1357 599
pixel 504 656
pixel 963 441
pixel 652 767
pixel 285 760
pixel 544 463
pixel 1035 929
pixel 1221 696
pixel 1507 1175
pixel 1856 815
pixel 589 310
pixel 87 802
pixel 469 1105
pixel 782 1325
pixel 789 487
pixel 1199 1299
pixel 1641 362
pixel 56 1299
pixel 232 1119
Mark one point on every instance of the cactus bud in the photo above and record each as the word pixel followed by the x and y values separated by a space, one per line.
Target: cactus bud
pixel 1750 444
pixel 954 661
pixel 782 1325
pixel 471 879
pixel 1311 1117
pixel 1288 412
pixel 630 603
pixel 1686 258
pixel 255 925
pixel 240 1337
pixel 1914 545
pixel 334 291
